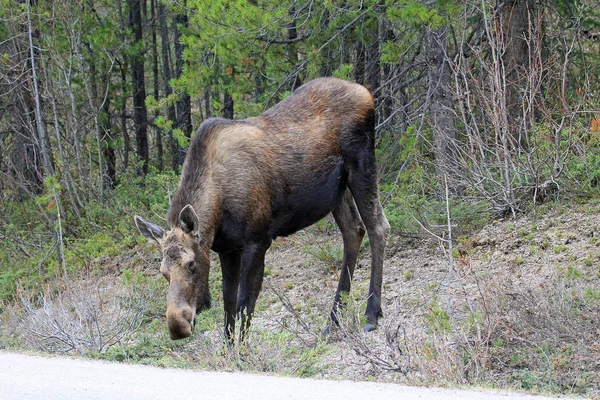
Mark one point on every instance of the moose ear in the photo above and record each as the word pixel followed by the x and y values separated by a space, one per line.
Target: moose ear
pixel 188 220
pixel 151 231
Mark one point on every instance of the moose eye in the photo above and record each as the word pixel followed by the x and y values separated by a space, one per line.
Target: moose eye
pixel 191 266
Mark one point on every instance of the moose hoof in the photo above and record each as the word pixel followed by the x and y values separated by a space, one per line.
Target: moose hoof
pixel 327 331
pixel 369 327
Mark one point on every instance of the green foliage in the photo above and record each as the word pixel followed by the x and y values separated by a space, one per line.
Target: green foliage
pixel 437 319
pixel 573 273
pixel 329 255
pixel 344 72
pixel 147 349
pixel 561 248
pixel 415 13
pixel 104 231
pixel 592 295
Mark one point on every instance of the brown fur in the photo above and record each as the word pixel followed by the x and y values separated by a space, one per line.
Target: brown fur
pixel 246 182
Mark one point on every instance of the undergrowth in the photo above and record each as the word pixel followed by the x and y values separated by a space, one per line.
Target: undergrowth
pixel 528 339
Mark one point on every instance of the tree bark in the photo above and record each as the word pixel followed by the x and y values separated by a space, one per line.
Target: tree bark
pixel 444 133
pixel 108 144
pixel 123 115
pixel 359 64
pixel 184 117
pixel 292 35
pixel 227 106
pixel 48 162
pixel 167 75
pixel 159 145
pixel 207 102
pixel 123 103
pixel 43 138
pixel 517 22
pixel 140 115
pixel 373 69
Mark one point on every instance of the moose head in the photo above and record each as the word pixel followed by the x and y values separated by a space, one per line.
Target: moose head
pixel 185 265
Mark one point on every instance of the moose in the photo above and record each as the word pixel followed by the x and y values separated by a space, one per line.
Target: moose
pixel 246 182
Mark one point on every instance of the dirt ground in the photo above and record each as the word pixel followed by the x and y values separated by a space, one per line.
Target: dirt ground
pixel 520 305
pixel 515 305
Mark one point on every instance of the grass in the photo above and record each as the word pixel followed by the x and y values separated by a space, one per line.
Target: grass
pixel 329 255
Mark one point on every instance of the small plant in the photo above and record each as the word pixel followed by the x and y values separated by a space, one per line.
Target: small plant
pixel 325 225
pixel 561 248
pixel 409 275
pixel 523 232
pixel 573 273
pixel 592 295
pixel 437 319
pixel 328 254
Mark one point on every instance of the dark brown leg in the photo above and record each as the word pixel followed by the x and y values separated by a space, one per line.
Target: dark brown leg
pixel 364 188
pixel 230 267
pixel 253 267
pixel 353 231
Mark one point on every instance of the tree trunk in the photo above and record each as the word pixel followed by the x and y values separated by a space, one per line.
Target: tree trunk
pixel 359 64
pixel 108 144
pixel 227 106
pixel 47 157
pixel 517 22
pixel 48 162
pixel 184 117
pixel 207 102
pixel 123 115
pixel 386 34
pixel 292 51
pixel 159 146
pixel 140 115
pixel 167 75
pixel 26 163
pixel 123 105
pixel 373 69
pixel 440 107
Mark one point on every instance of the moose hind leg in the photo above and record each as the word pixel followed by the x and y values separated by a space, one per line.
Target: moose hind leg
pixel 353 231
pixel 364 188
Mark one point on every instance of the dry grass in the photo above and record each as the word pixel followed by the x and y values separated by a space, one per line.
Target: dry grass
pixel 530 325
pixel 82 316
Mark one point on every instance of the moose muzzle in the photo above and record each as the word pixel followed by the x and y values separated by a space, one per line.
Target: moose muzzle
pixel 180 322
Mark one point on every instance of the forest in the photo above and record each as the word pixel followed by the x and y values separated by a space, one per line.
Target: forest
pixel 485 110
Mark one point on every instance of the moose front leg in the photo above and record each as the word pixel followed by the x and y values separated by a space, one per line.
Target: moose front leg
pixel 253 267
pixel 230 268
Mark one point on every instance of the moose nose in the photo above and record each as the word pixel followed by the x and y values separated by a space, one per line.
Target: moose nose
pixel 180 323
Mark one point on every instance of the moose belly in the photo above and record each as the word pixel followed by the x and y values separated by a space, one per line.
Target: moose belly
pixel 308 201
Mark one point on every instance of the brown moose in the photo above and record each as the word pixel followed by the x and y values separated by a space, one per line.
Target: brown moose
pixel 246 182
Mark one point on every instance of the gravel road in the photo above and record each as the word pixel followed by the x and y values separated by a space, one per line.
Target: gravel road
pixel 34 377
